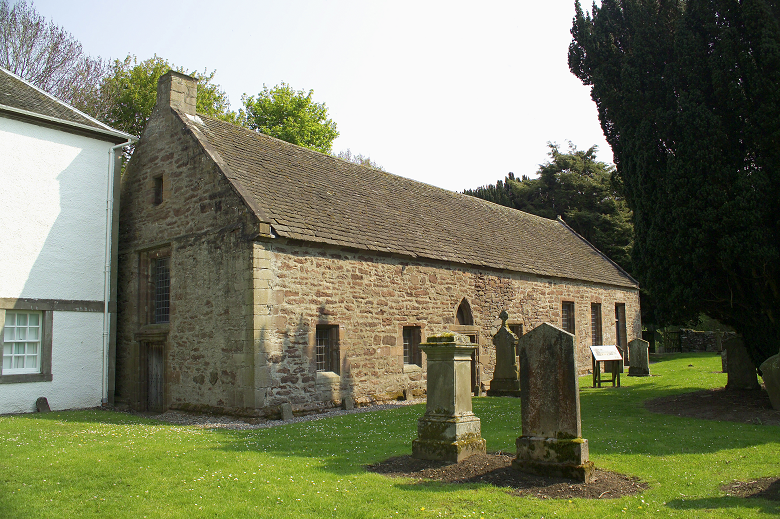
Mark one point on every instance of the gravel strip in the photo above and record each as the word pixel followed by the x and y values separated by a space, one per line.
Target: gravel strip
pixel 207 421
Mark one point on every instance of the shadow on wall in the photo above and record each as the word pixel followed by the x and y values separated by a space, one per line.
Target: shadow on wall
pixel 55 224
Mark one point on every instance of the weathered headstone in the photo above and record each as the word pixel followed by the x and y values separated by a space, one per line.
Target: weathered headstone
pixel 287 412
pixel 347 403
pixel 552 443
pixel 741 372
pixel 42 405
pixel 640 358
pixel 770 370
pixel 448 430
pixel 506 378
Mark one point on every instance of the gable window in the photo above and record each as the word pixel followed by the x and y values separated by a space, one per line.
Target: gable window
pixel 158 190
pixel 567 316
pixel 161 290
pixel 327 347
pixel 412 335
pixel 595 324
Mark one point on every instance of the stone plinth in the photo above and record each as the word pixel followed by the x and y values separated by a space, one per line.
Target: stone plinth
pixel 506 378
pixel 448 431
pixel 770 370
pixel 551 443
pixel 741 371
pixel 638 352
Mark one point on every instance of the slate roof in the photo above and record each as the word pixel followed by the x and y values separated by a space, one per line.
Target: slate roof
pixel 19 97
pixel 310 196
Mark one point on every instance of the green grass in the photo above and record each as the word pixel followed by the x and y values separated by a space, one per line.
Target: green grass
pixel 103 464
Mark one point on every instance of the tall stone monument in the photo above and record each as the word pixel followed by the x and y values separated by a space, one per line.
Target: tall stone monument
pixel 448 430
pixel 741 371
pixel 552 443
pixel 638 352
pixel 506 378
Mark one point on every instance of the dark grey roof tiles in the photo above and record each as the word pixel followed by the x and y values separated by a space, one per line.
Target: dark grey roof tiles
pixel 314 197
pixel 17 93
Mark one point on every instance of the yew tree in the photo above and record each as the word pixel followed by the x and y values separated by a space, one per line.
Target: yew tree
pixel 688 96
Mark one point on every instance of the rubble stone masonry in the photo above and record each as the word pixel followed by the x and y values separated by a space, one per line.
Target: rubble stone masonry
pixel 371 297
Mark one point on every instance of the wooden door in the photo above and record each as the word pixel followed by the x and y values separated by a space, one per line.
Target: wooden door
pixel 155 377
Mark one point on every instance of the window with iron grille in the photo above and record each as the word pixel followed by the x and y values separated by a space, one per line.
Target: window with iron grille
pixel 595 324
pixel 161 294
pixel 620 325
pixel 327 347
pixel 412 335
pixel 567 316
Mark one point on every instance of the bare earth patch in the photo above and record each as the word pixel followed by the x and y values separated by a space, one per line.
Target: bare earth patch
pixel 731 405
pixel 765 488
pixel 494 468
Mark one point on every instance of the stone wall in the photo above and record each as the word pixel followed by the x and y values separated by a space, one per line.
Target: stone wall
pixel 694 340
pixel 207 231
pixel 371 297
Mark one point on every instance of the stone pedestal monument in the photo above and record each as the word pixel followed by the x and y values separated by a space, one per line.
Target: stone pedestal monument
pixel 640 359
pixel 552 443
pixel 448 430
pixel 506 378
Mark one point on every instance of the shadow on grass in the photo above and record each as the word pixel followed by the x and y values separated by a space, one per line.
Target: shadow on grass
pixel 714 503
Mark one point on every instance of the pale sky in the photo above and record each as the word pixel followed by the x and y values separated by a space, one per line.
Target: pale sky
pixel 454 94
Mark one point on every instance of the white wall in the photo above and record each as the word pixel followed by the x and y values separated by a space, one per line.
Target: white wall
pixel 76 364
pixel 53 212
pixel 52 237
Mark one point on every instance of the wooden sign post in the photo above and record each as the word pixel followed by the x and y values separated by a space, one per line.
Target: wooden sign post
pixel 606 354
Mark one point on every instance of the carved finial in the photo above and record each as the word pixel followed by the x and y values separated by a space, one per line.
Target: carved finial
pixel 503 316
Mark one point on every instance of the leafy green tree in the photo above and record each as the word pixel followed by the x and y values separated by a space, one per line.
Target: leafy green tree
pixel 46 55
pixel 128 94
pixel 581 190
pixel 291 116
pixel 688 95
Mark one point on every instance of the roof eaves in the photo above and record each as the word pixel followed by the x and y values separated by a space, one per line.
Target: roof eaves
pixel 116 135
pixel 618 267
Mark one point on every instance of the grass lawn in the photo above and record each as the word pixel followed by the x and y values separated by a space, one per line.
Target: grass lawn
pixel 104 464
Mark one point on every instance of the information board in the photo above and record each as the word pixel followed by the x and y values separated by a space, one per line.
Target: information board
pixel 601 353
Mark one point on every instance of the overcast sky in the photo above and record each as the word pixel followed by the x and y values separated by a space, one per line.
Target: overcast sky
pixel 454 94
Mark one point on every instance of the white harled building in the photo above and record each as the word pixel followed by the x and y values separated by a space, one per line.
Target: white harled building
pixel 59 174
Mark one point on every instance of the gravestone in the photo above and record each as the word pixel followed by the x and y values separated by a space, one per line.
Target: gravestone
pixel 741 372
pixel 347 403
pixel 506 378
pixel 42 405
pixel 448 431
pixel 551 443
pixel 770 370
pixel 287 412
pixel 638 352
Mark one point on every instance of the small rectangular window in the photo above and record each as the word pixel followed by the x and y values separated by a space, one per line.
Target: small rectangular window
pixel 567 316
pixel 161 293
pixel 327 348
pixel 22 342
pixel 516 328
pixel 595 324
pixel 158 190
pixel 412 335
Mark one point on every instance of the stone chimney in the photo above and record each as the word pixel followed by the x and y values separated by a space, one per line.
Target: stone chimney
pixel 178 91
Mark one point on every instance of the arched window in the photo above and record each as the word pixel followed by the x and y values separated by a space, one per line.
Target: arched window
pixel 464 316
